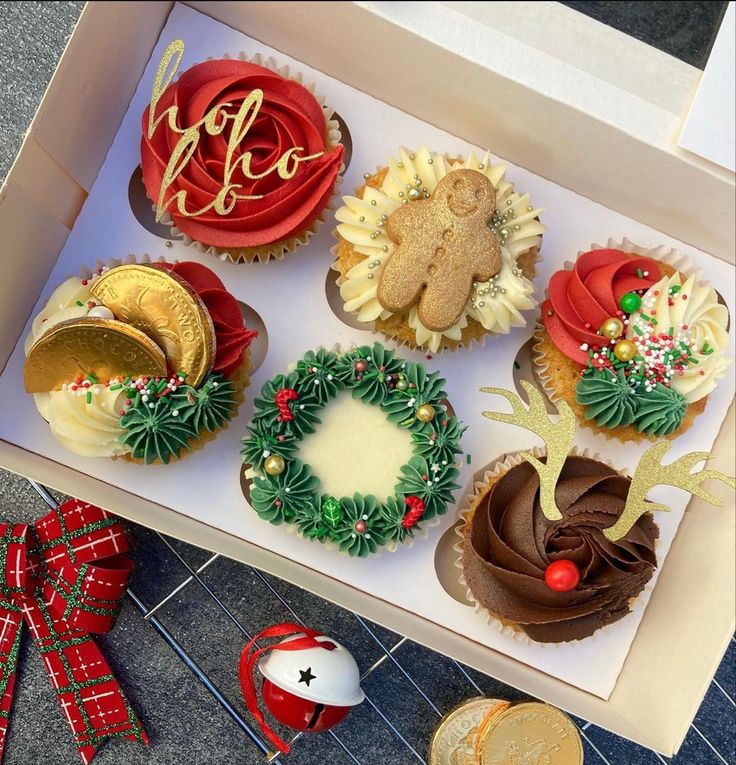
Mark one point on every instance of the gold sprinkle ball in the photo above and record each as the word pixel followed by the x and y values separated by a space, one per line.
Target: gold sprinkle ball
pixel 274 465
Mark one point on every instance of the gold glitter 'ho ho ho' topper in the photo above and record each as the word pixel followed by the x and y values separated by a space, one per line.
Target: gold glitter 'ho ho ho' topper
pixel 558 438
pixel 214 123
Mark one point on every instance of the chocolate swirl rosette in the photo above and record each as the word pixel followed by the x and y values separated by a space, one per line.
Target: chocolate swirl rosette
pixel 510 545
pixel 556 545
pixel 239 156
pixel 145 361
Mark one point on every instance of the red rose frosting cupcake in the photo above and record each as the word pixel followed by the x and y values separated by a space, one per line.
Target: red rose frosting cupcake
pixel 634 345
pixel 241 159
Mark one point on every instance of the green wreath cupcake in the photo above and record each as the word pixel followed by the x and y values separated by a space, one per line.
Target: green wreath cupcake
pixel 358 449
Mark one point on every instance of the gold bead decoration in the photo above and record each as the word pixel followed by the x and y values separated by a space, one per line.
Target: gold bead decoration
pixel 274 465
pixel 624 350
pixel 425 413
pixel 612 328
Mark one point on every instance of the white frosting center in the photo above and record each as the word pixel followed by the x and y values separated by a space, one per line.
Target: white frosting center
pixel 356 449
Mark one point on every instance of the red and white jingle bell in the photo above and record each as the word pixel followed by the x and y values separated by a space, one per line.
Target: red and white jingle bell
pixel 310 681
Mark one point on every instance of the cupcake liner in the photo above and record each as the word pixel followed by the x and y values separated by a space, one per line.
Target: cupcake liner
pixel 397 328
pixel 240 379
pixel 392 546
pixel 545 356
pixel 276 250
pixel 478 490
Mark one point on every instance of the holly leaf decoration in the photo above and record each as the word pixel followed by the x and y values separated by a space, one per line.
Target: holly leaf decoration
pixel 331 511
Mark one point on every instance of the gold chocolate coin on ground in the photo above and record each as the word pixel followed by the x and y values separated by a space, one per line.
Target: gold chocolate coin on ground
pixel 167 309
pixel 533 733
pixel 100 348
pixel 455 742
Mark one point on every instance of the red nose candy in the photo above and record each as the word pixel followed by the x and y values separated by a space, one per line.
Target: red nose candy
pixel 562 576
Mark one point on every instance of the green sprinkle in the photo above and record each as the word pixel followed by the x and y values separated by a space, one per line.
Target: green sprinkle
pixel 89 396
pixel 127 381
pixel 92 379
pixel 672 332
pixel 181 374
pixel 637 329
pixel 654 321
pixel 692 360
pixel 640 273
pixel 674 289
pixel 137 398
pixel 79 302
pixel 117 386
pixel 468 458
pixel 706 351
pixel 645 317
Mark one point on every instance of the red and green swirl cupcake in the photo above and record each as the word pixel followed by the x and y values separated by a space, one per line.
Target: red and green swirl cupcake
pixel 634 345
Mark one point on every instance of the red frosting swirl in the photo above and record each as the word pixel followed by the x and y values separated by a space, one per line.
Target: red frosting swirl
pixel 579 301
pixel 289 116
pixel 231 335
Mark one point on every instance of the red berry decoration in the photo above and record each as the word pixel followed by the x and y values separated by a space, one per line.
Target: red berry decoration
pixel 562 576
pixel 360 366
pixel 310 681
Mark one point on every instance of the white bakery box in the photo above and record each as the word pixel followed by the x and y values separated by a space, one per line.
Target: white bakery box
pixel 587 120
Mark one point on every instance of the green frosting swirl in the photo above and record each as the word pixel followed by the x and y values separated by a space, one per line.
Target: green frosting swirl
pixel 321 374
pixel 280 498
pixel 660 411
pixel 371 385
pixel 608 398
pixel 208 407
pixel 438 440
pixel 360 510
pixel 262 442
pixel 153 432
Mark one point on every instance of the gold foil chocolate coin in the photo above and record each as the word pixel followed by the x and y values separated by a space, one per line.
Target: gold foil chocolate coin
pixel 100 348
pixel 533 734
pixel 167 309
pixel 457 738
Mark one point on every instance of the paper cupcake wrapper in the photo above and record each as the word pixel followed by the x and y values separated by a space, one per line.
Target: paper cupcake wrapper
pixel 479 488
pixel 240 380
pixel 392 546
pixel 446 344
pixel 277 250
pixel 667 255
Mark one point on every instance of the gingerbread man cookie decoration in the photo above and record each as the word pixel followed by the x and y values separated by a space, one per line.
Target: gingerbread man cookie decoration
pixel 444 245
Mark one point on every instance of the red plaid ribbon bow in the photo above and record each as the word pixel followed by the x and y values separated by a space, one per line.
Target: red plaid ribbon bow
pixel 65 576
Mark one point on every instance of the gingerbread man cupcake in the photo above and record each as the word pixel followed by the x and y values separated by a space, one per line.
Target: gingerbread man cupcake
pixel 438 252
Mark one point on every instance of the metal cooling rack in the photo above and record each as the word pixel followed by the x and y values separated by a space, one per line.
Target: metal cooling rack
pixel 148 613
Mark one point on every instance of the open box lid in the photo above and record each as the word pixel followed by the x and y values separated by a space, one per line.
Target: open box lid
pixel 547 126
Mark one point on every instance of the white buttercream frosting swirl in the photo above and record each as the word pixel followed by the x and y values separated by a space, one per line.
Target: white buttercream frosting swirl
pixel 496 304
pixel 691 314
pixel 87 427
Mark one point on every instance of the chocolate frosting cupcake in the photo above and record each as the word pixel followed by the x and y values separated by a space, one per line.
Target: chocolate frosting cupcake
pixel 510 544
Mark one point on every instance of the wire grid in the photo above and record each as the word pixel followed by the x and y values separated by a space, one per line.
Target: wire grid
pixel 388 654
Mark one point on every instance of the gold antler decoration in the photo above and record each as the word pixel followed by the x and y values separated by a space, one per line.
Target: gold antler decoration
pixel 650 472
pixel 557 437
